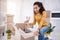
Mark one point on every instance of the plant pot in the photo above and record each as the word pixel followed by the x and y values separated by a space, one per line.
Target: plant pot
pixel 48 34
pixel 9 36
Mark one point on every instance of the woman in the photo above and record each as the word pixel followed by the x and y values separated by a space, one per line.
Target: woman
pixel 40 18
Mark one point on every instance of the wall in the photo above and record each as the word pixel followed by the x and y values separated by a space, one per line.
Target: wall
pixel 2 10
pixel 52 5
pixel 22 8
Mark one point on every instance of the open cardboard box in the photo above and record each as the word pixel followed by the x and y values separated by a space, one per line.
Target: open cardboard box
pixel 28 35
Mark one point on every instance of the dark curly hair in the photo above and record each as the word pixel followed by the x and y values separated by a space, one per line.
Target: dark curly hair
pixel 39 5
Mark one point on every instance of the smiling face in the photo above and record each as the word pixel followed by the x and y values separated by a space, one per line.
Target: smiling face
pixel 36 8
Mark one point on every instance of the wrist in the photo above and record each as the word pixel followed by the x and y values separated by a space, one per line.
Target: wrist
pixel 38 28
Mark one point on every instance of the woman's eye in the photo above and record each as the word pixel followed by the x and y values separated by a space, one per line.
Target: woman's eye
pixel 35 8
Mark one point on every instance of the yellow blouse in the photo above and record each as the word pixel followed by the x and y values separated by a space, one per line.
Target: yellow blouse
pixel 40 19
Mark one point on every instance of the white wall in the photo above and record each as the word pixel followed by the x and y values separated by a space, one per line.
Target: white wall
pixel 52 5
pixel 14 8
pixel 22 8
pixel 2 11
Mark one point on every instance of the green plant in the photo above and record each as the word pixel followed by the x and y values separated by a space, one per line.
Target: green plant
pixel 8 31
pixel 51 28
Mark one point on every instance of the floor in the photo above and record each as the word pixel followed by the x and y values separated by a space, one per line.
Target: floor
pixel 55 35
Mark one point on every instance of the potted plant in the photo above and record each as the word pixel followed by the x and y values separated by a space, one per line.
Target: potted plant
pixel 9 34
pixel 50 30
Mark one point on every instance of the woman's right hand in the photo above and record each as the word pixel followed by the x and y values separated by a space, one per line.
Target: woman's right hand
pixel 36 33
